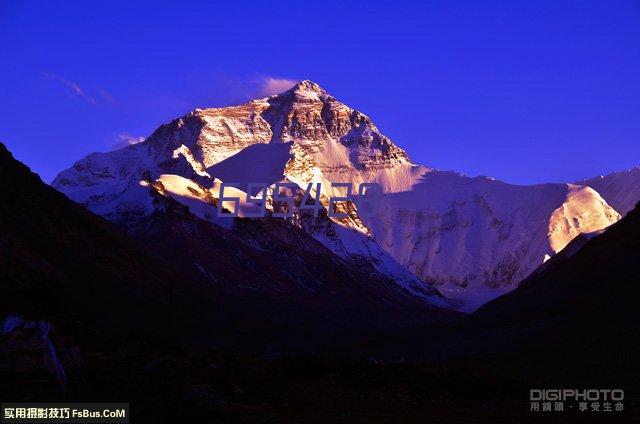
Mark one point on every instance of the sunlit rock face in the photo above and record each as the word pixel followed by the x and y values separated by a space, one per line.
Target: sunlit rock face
pixel 474 238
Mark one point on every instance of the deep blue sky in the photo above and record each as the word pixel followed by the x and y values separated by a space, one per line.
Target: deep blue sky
pixel 522 91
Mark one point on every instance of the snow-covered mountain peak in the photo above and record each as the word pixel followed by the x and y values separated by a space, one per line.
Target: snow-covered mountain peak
pixel 308 85
pixel 307 88
pixel 328 141
pixel 466 234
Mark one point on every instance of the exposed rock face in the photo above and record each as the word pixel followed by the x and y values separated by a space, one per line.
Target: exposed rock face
pixel 473 237
pixel 324 139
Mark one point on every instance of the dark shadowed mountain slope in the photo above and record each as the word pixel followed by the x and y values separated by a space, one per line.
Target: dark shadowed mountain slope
pixel 579 316
pixel 59 260
pixel 257 284
pixel 274 284
pixel 575 321
pixel 601 280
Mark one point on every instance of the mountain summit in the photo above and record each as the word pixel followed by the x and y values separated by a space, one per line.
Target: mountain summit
pixel 307 86
pixel 472 237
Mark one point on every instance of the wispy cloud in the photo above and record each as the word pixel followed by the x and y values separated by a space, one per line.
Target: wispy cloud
pixel 108 96
pixel 224 88
pixel 124 140
pixel 271 85
pixel 73 87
